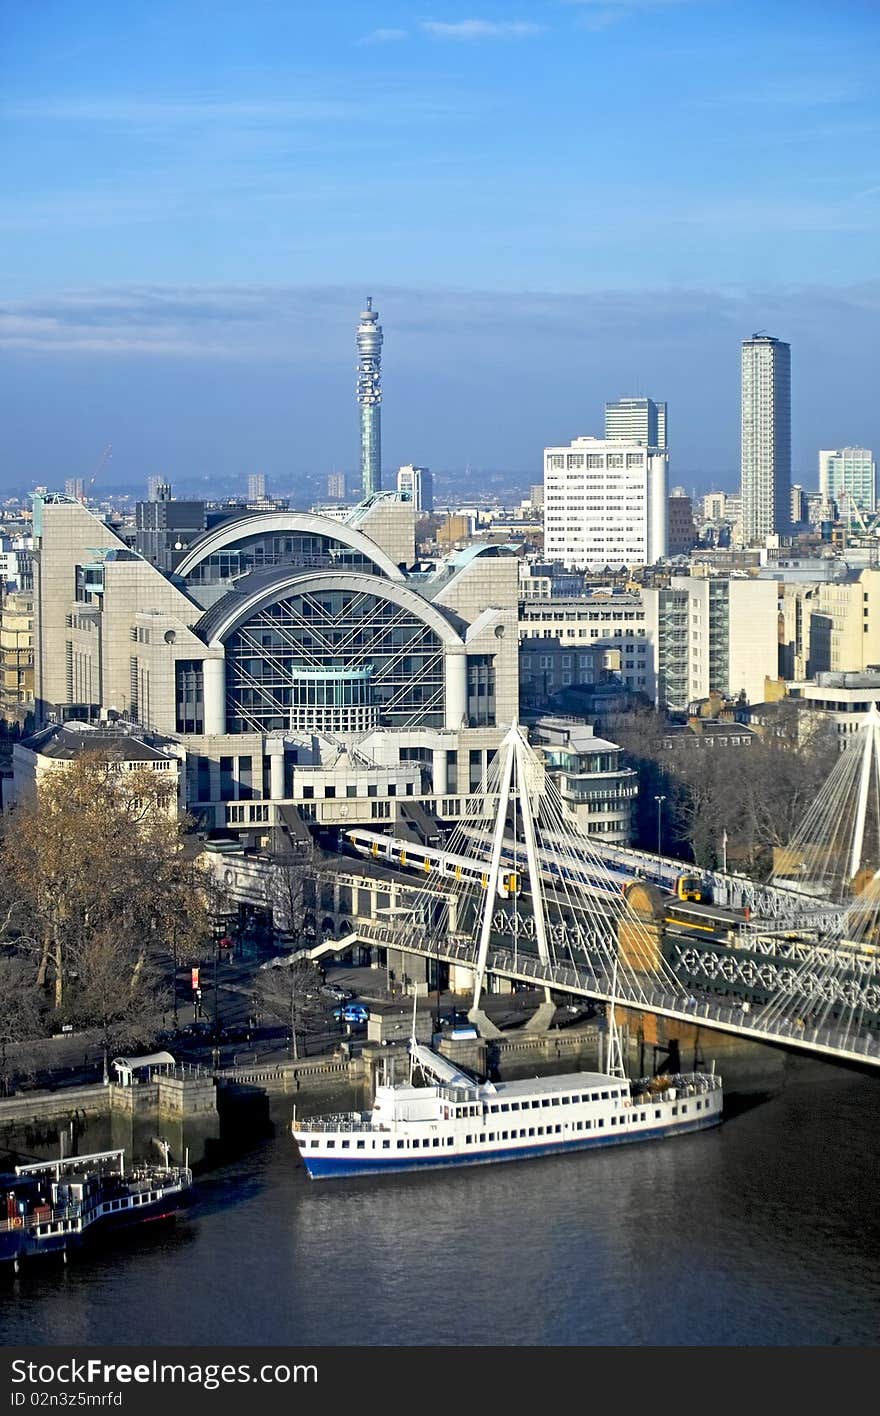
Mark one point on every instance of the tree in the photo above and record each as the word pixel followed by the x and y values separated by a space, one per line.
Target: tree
pixel 114 990
pixel 94 868
pixel 290 992
pixel 20 1019
pixel 753 797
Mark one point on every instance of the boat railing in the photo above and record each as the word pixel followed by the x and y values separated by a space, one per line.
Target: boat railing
pixel 141 1182
pixel 683 1084
pixel 345 1121
pixel 458 1094
pixel 57 1214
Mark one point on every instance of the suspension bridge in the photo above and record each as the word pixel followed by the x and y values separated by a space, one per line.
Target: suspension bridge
pixel 526 896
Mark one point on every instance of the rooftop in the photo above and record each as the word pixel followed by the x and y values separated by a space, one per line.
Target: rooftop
pixel 65 743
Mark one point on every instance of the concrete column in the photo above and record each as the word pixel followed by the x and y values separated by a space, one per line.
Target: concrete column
pixel 455 662
pixel 214 677
pixel 439 774
pixel 275 749
pixel 657 509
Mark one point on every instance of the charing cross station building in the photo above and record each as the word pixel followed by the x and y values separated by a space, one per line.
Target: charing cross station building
pixel 291 661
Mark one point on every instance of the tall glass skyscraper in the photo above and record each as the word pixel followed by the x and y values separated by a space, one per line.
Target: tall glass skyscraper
pixel 766 438
pixel 369 393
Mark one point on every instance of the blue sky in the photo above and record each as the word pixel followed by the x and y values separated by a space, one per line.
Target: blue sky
pixel 552 202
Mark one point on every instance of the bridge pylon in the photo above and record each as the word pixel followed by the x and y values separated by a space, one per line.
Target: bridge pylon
pixel 835 851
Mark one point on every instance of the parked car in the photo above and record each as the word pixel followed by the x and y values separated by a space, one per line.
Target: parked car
pixel 453 1017
pixel 236 1033
pixel 333 990
pixel 351 1013
pixel 198 1029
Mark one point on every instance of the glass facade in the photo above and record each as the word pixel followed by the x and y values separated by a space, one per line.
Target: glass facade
pixel 268 549
pixel 340 655
pixel 481 690
pixel 673 657
pixel 190 696
pixel 333 700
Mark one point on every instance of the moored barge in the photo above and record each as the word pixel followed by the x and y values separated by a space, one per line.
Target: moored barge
pixel 55 1206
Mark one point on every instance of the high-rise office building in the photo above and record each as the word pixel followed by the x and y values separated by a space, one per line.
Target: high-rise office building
pixel 369 394
pixel 605 503
pixel 158 489
pixel 418 483
pixel 336 486
pixel 849 471
pixel 256 487
pixel 75 487
pixel 636 420
pixel 681 533
pixel 798 505
pixel 766 437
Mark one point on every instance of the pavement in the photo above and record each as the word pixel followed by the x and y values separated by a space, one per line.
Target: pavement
pixel 77 1058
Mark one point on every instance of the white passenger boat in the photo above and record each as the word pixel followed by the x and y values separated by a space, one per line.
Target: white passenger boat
pixel 453 1120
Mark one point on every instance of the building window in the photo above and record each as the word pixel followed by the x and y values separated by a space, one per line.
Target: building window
pixel 190 696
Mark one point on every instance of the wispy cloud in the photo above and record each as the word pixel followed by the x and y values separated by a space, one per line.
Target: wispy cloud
pixel 601 14
pixel 256 323
pixel 809 90
pixel 383 36
pixel 175 111
pixel 480 29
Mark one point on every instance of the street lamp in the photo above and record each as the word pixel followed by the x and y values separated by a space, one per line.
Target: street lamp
pixel 659 800
pixel 218 933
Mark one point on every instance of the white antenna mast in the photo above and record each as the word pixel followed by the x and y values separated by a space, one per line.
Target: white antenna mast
pixel 412 1050
pixel 615 1052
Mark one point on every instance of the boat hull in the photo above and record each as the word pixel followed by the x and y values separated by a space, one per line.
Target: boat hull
pixel 323 1167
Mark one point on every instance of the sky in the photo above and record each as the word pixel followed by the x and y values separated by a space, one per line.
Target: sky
pixel 552 203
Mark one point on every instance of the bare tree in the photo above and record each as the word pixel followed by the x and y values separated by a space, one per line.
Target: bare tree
pixel 98 856
pixel 751 797
pixel 290 992
pixel 20 1018
pixel 113 989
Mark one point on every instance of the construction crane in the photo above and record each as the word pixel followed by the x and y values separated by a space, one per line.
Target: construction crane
pixel 102 462
pixel 852 512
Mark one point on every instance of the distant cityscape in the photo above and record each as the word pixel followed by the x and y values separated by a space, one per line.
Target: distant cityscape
pixel 592 565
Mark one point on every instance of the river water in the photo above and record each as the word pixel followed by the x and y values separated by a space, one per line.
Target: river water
pixel 764 1231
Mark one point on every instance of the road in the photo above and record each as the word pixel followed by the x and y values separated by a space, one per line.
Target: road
pixel 74 1058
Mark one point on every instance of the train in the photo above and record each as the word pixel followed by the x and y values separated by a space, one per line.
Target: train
pixel 415 856
pixel 693 887
pixel 689 904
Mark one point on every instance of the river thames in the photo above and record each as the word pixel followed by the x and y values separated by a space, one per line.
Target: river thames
pixel 764 1231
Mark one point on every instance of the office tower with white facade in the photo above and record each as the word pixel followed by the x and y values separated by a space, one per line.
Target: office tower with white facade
pixel 605 503
pixel 369 395
pixel 766 437
pixel 418 484
pixel 336 486
pixel 75 487
pixel 636 420
pixel 256 487
pixel 850 471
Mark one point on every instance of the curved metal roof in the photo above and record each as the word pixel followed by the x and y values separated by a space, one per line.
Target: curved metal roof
pixel 253 523
pixel 254 592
